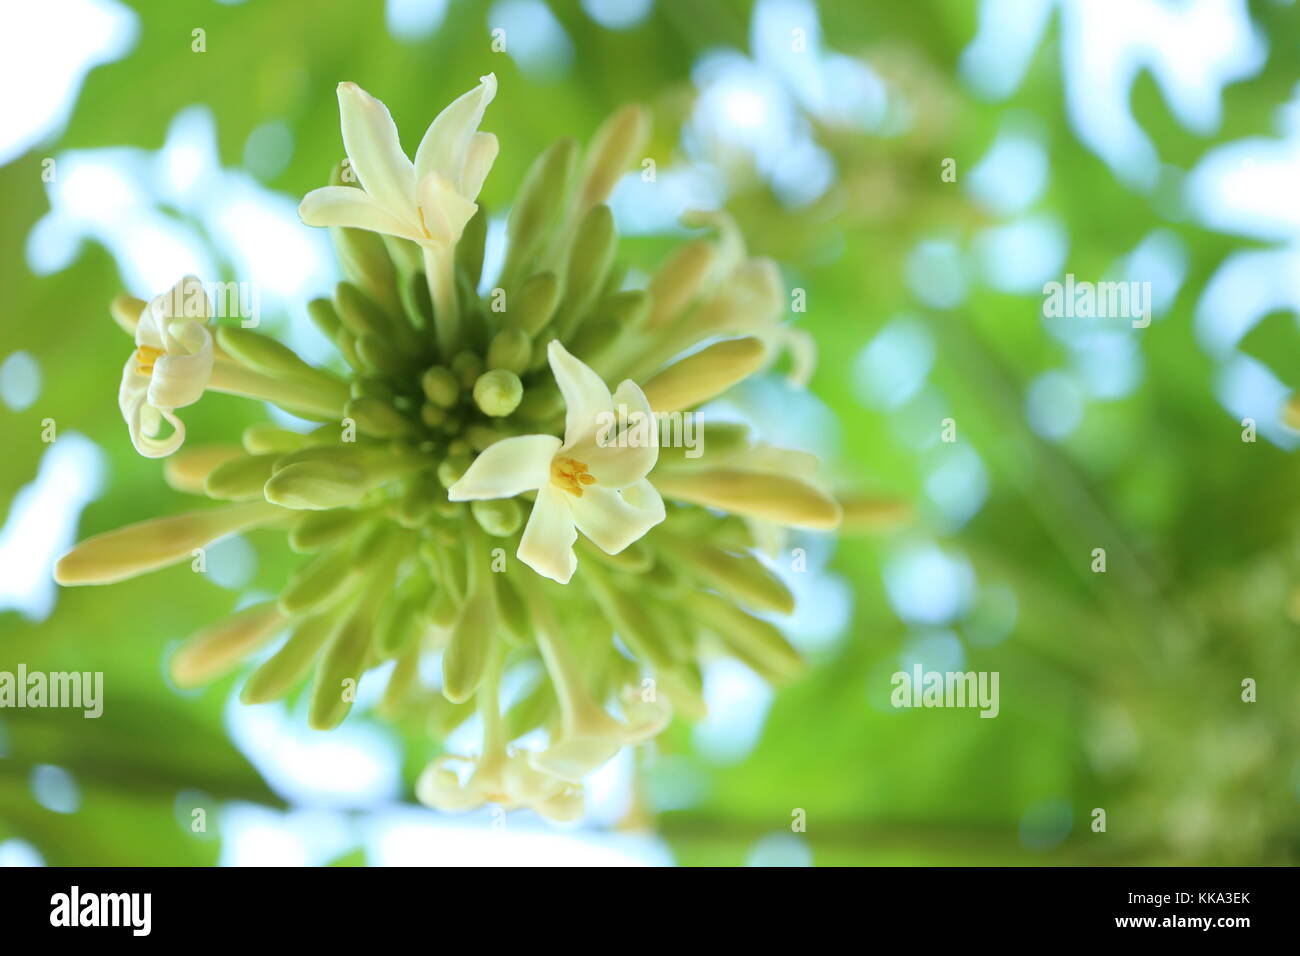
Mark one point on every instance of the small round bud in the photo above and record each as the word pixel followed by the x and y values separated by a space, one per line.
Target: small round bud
pixel 440 386
pixel 498 392
pixel 450 470
pixel 500 517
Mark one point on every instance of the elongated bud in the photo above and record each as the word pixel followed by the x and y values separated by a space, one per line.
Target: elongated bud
pixel 217 649
pixel 497 393
pixel 537 206
pixel 629 618
pixel 189 468
pixel 282 671
pixel 150 545
pixel 126 311
pixel 756 642
pixel 780 498
pixel 380 354
pixel 705 374
pixel 511 611
pixel 511 350
pixel 715 441
pixel 264 354
pixel 340 671
pixel 317 584
pixel 592 255
pixel 399 626
pixel 466 657
pixel 742 577
pixel 365 261
pixel 377 418
pixel 359 315
pixel 317 531
pixel 268 439
pixel 679 280
pixel 316 486
pixel 533 306
pixel 617 145
pixel 401 686
pixel 866 515
pixel 324 316
pixel 240 479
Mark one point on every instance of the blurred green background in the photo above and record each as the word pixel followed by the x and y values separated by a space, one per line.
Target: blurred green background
pixel 1147 141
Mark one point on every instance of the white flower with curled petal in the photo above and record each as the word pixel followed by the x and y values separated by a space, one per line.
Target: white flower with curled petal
pixel 169 369
pixel 593 481
pixel 428 201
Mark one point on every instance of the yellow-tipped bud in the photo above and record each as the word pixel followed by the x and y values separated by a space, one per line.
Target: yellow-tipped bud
pixel 780 498
pixel 705 374
pixel 150 545
pixel 189 468
pixel 215 650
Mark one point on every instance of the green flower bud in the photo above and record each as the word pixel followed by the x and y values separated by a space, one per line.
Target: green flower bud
pixel 497 393
pixel 278 674
pixel 316 486
pixel 537 207
pixel 377 418
pixel 240 479
pixel 325 317
pixel 499 517
pixel 316 531
pixel 317 584
pixel 441 386
pixel 534 304
pixel 467 367
pixel 511 349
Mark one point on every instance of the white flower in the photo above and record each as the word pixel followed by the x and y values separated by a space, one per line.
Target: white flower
pixel 428 201
pixel 593 481
pixel 169 369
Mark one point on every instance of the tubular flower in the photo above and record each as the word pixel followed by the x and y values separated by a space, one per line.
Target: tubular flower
pixel 169 369
pixel 454 431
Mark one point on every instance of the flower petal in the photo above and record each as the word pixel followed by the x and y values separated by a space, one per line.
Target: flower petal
pixel 374 149
pixel 482 154
pixel 586 398
pixel 508 467
pixel 613 520
pixel 574 758
pixel 142 419
pixel 547 544
pixel 178 379
pixel 621 459
pixel 446 142
pixel 445 211
pixel 439 786
pixel 353 208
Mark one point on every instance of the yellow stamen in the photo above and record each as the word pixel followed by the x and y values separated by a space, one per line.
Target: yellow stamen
pixel 145 357
pixel 570 475
pixel 423 228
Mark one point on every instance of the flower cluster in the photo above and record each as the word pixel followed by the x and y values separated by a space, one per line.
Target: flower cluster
pixel 457 428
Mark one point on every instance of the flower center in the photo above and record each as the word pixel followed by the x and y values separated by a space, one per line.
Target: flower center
pixel 145 356
pixel 570 474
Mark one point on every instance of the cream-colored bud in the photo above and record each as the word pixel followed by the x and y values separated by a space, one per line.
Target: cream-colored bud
pixel 705 374
pixel 781 498
pixel 217 649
